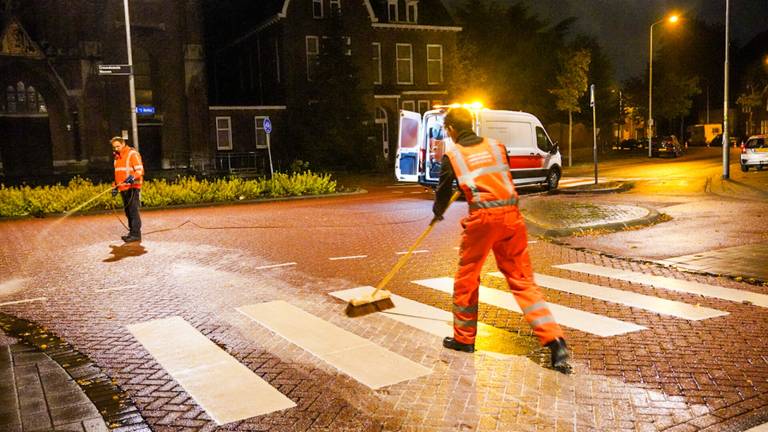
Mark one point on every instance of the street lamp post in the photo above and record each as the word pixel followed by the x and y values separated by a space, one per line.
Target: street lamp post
pixel 131 83
pixel 726 141
pixel 672 19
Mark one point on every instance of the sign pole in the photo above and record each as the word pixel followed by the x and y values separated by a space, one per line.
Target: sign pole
pixel 131 84
pixel 594 126
pixel 268 130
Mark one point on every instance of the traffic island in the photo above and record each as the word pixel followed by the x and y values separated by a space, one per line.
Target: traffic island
pixel 599 188
pixel 562 218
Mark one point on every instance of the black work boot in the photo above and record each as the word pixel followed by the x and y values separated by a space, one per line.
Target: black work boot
pixel 131 238
pixel 453 344
pixel 559 356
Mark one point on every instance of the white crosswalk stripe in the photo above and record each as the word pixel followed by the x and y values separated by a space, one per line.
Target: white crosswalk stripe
pixel 577 319
pixel 438 322
pixel 227 390
pixel 671 284
pixel 627 298
pixel 353 355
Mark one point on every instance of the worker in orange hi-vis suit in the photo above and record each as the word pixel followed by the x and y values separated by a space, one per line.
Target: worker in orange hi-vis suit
pixel 494 223
pixel 129 175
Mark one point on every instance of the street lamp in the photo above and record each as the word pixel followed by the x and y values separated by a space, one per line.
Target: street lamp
pixel 672 19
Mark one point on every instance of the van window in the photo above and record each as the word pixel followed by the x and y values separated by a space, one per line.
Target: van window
pixel 511 134
pixel 409 132
pixel 542 140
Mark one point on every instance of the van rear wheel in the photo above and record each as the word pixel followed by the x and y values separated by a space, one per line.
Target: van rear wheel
pixel 553 179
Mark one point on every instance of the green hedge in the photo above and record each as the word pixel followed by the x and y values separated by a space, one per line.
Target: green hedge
pixel 38 201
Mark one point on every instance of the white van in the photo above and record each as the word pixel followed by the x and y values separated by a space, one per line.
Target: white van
pixel 533 157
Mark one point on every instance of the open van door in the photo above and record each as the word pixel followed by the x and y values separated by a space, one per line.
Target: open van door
pixel 408 148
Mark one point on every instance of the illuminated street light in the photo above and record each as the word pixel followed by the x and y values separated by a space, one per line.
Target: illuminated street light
pixel 671 19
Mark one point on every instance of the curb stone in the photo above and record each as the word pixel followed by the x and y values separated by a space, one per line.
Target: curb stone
pixel 116 407
pixel 652 217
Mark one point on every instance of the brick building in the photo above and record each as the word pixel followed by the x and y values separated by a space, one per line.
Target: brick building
pixel 263 57
pixel 57 113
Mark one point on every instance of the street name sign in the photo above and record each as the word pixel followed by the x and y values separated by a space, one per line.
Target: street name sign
pixel 115 69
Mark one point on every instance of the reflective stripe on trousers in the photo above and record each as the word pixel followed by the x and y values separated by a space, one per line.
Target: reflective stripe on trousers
pixel 503 231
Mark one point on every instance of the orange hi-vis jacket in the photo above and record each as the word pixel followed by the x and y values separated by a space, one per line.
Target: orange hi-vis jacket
pixel 128 162
pixel 483 174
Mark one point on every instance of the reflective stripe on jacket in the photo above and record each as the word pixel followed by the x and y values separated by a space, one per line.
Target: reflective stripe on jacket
pixel 483 174
pixel 128 161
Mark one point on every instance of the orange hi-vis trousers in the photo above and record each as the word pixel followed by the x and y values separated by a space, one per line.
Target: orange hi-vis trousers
pixel 503 231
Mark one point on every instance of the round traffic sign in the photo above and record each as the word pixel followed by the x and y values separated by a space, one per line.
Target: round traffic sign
pixel 267 125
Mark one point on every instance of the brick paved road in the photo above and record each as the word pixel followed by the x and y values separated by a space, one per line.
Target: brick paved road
pixel 677 374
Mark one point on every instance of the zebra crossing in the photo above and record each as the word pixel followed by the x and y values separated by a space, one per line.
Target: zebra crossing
pixel 229 391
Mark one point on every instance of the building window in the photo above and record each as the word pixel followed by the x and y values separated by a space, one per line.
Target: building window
pixel 392 10
pixel 409 105
pixel 764 126
pixel 376 55
pixel 412 11
pixel 423 106
pixel 313 55
pixel 261 134
pixel 317 8
pixel 335 7
pixel 434 64
pixel 22 99
pixel 142 76
pixel 404 63
pixel 224 133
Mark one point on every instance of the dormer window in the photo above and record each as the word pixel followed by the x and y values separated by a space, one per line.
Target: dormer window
pixel 392 10
pixel 412 11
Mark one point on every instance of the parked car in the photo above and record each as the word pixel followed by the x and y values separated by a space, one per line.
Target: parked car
pixel 717 141
pixel 754 152
pixel 630 144
pixel 668 146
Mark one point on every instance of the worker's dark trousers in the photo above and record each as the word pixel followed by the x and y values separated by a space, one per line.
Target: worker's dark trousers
pixel 131 204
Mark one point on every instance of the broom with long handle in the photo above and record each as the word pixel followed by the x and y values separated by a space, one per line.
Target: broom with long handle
pixel 380 299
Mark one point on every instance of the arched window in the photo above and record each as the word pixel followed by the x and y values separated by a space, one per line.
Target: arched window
pixel 10 97
pixel 31 99
pixel 20 98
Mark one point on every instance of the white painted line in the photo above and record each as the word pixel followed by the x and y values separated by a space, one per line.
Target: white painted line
pixel 227 390
pixel 627 298
pixel 275 266
pixel 490 340
pixel 456 248
pixel 577 319
pixel 353 355
pixel 417 192
pixel 348 257
pixel 402 192
pixel 36 299
pixel 532 241
pixel 671 284
pixel 416 251
pixel 759 428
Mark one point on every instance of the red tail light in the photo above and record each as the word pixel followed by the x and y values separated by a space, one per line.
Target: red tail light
pixel 743 148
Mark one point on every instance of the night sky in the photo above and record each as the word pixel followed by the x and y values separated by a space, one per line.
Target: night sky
pixel 621 26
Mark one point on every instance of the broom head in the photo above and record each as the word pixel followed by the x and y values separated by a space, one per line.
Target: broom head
pixel 369 304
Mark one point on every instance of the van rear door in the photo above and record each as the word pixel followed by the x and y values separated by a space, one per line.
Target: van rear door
pixel 438 142
pixel 408 154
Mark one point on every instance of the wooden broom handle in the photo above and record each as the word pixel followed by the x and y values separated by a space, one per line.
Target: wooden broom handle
pixel 403 259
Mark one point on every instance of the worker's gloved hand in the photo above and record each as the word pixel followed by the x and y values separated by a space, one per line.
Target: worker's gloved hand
pixel 436 219
pixel 129 179
pixel 114 192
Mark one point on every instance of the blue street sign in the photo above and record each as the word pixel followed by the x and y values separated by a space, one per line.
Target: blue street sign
pixel 267 125
pixel 146 110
